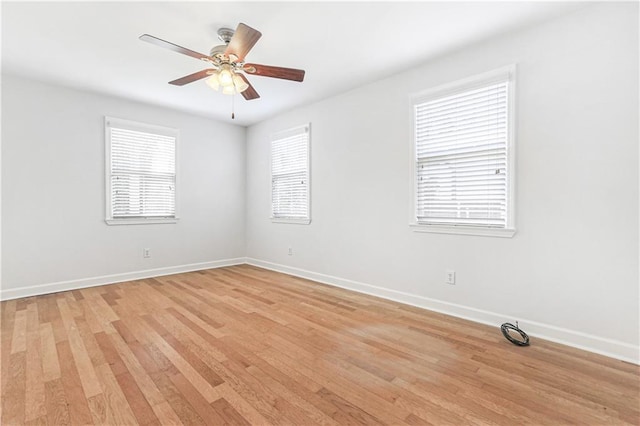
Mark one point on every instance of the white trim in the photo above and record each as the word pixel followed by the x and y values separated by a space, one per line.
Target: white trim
pixel 141 221
pixel 305 221
pixel 7 294
pixel 600 345
pixel 463 230
pixel 464 84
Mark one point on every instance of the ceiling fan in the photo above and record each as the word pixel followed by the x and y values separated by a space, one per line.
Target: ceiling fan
pixel 227 62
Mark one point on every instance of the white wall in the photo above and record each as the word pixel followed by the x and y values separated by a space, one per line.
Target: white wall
pixel 53 193
pixel 571 271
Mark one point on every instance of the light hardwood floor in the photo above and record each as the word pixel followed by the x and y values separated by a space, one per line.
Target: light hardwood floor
pixel 242 345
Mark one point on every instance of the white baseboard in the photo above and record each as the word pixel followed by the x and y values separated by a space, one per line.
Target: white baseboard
pixel 608 347
pixel 600 345
pixel 7 294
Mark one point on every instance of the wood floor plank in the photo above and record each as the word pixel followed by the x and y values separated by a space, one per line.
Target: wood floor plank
pixel 302 400
pixel 72 304
pixel 164 364
pixel 203 349
pixel 79 412
pixel 270 404
pixel 166 414
pixel 39 421
pixel 19 341
pixel 243 345
pixel 88 339
pixel 445 405
pixel 7 318
pixel 90 316
pixel 35 392
pixel 196 399
pixel 117 406
pixel 195 333
pixel 87 374
pixel 206 384
pixel 137 371
pixel 110 354
pixel 280 383
pixel 377 405
pixel 228 414
pixel 131 328
pixel 50 362
pixel 56 403
pixel 103 312
pixel 98 409
pixel 176 400
pixel 195 322
pixel 347 412
pixel 139 405
pixel 13 401
pixel 240 405
pixel 59 332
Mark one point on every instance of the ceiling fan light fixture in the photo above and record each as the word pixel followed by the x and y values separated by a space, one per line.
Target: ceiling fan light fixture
pixel 225 76
pixel 239 83
pixel 213 82
pixel 228 90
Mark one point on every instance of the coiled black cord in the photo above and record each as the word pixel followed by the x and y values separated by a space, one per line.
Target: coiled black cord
pixel 505 332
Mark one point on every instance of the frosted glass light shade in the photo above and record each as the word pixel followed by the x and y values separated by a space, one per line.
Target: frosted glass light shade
pixel 213 81
pixel 240 84
pixel 228 90
pixel 225 76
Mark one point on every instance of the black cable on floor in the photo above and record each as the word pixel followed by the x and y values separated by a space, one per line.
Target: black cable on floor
pixel 505 332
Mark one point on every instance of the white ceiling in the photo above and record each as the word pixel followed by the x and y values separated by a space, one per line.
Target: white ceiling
pixel 95 46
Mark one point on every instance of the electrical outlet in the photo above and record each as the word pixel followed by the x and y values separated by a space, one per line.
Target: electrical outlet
pixel 146 253
pixel 450 277
pixel 290 251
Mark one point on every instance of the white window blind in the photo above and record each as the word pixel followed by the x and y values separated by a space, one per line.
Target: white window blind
pixel 141 171
pixel 290 175
pixel 462 141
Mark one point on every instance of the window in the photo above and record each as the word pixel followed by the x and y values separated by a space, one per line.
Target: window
pixel 290 175
pixel 141 172
pixel 463 151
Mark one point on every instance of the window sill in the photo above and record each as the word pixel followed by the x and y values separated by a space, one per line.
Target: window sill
pixel 290 220
pixel 140 221
pixel 463 230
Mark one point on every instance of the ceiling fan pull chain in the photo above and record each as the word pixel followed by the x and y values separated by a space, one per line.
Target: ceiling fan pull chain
pixel 233 104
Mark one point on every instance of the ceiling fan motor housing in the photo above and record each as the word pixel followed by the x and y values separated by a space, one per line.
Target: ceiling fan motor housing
pixel 217 50
pixel 225 34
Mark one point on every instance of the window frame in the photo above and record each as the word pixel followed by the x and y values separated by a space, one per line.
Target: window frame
pixel 147 128
pixel 280 135
pixel 462 85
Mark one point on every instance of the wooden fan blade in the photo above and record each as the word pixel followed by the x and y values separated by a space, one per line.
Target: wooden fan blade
pixel 250 92
pixel 275 72
pixel 192 77
pixel 167 45
pixel 244 38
